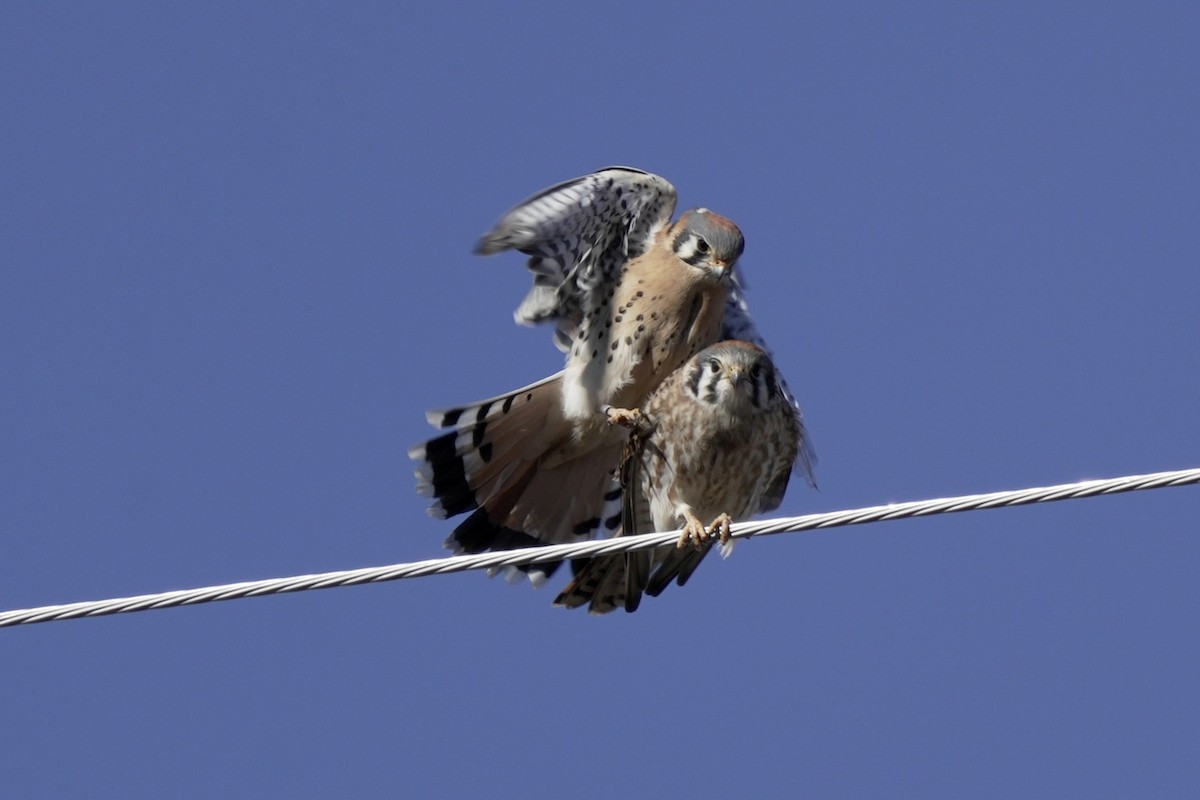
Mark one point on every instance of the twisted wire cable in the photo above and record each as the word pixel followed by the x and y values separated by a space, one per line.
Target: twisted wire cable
pixel 537 555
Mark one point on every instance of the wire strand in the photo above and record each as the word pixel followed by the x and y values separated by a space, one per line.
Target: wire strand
pixel 548 553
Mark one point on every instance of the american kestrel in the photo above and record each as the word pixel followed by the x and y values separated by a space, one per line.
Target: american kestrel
pixel 633 296
pixel 716 443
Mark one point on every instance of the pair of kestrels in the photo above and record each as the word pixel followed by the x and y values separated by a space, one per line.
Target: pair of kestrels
pixel 669 413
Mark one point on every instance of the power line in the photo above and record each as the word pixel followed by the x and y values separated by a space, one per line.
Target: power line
pixel 537 555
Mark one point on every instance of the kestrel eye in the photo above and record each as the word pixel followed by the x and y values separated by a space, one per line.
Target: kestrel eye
pixel 756 371
pixel 702 245
pixel 714 366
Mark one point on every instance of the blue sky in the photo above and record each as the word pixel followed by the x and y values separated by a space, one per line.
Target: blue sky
pixel 236 270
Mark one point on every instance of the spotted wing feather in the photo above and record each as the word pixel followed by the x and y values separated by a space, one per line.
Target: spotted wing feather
pixel 578 235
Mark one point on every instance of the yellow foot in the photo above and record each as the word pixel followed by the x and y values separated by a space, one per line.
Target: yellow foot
pixel 631 418
pixel 720 528
pixel 694 534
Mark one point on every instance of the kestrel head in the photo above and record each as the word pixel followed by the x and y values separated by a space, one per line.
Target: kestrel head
pixel 707 240
pixel 735 376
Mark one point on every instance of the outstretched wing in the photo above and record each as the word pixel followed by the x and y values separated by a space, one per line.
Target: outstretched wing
pixel 738 324
pixel 578 235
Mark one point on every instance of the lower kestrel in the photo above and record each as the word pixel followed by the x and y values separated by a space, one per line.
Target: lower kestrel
pixel 715 443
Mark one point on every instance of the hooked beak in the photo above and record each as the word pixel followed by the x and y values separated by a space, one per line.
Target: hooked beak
pixel 737 376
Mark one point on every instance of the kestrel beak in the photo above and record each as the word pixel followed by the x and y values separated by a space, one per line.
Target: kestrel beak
pixel 737 376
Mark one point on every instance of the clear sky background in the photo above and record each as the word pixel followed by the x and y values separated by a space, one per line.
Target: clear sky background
pixel 235 269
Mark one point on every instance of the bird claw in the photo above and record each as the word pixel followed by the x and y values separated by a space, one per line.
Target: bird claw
pixel 631 418
pixel 696 535
pixel 721 527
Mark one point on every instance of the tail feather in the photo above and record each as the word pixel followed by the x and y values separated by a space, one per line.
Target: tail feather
pixel 564 502
pixel 491 444
pixel 675 564
pixel 514 462
pixel 478 534
pixel 598 583
pixel 637 567
pixel 607 583
pixel 486 409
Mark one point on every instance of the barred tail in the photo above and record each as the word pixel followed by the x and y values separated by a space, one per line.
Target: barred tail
pixel 512 461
